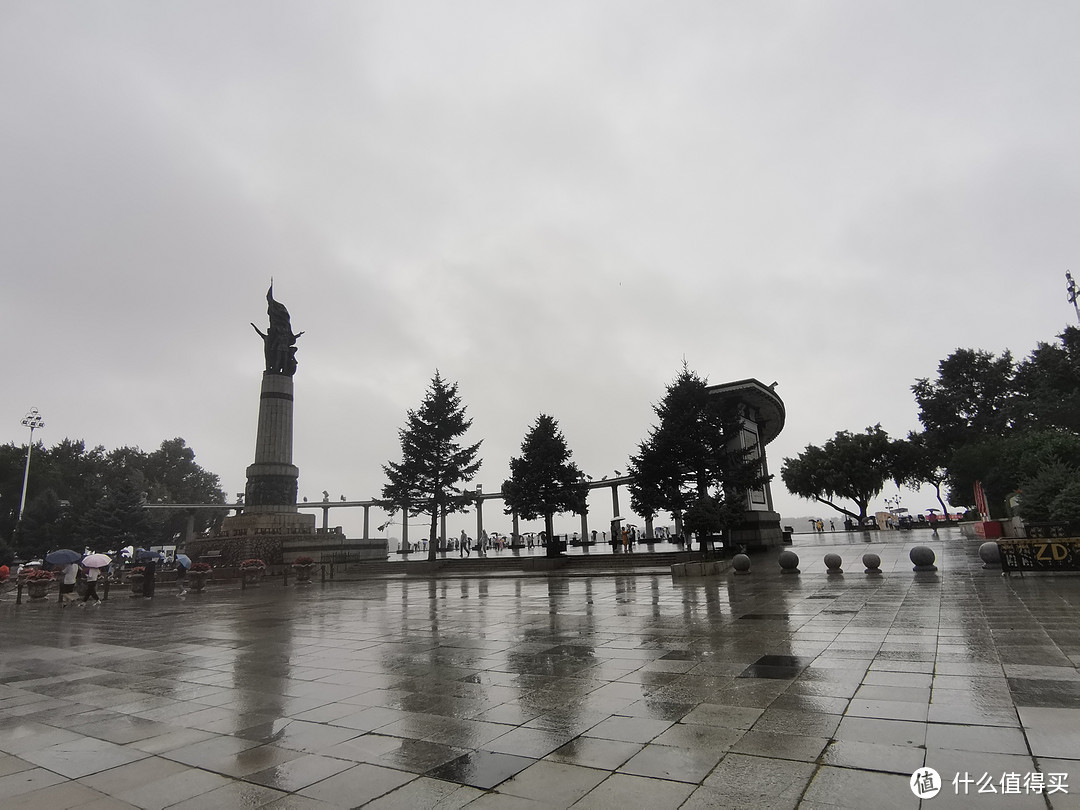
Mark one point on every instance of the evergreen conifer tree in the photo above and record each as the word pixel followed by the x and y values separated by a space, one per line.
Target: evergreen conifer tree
pixel 543 480
pixel 433 463
pixel 691 464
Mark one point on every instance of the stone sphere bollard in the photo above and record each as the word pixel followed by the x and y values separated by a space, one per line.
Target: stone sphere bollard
pixel 990 554
pixel 833 563
pixel 789 562
pixel 872 562
pixel 741 564
pixel 923 557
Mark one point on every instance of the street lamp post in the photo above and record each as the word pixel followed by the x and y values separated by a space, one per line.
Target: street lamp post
pixel 33 421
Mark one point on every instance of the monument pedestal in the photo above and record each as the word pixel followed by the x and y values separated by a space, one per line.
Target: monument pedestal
pixel 757 531
pixel 278 538
pixel 262 536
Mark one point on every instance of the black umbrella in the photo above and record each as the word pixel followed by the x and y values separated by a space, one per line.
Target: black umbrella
pixel 62 556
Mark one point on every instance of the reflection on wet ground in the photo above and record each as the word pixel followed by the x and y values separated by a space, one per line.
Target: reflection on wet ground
pixel 756 690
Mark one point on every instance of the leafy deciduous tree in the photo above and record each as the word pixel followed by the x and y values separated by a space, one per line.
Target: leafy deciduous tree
pixel 970 400
pixel 172 476
pixel 921 460
pixel 1007 464
pixel 71 488
pixel 42 528
pixel 849 466
pixel 1047 384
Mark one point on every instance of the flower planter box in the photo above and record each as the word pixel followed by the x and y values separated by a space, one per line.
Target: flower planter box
pixel 136 583
pixel 252 576
pixel 303 572
pixel 37 589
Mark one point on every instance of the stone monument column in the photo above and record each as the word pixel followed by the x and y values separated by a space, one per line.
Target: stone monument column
pixel 271 528
pixel 272 479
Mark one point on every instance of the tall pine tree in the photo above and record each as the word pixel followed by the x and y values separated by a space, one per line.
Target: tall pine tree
pixel 434 463
pixel 691 464
pixel 543 480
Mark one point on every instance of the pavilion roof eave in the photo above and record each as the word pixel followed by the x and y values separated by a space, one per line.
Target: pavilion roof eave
pixel 761 397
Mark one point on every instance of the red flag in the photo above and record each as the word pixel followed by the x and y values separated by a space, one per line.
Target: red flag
pixel 980 501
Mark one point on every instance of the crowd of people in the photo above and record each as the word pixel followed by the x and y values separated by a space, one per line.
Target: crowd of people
pixel 78 583
pixel 464 545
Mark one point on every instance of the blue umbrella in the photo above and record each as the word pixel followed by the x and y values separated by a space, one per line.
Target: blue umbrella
pixel 142 555
pixel 62 556
pixel 183 560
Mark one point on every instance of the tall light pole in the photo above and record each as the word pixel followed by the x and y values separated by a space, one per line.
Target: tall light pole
pixel 33 421
pixel 1070 287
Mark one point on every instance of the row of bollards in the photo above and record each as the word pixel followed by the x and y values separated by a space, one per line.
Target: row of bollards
pixel 922 557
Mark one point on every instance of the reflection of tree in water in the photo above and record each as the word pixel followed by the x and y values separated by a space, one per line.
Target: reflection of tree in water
pixel 731 628
pixel 451 625
pixel 555 652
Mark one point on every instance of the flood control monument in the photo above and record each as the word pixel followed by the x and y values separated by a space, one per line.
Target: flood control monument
pixel 269 526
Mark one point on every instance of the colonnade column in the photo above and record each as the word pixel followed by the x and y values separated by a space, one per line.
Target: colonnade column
pixel 367 507
pixel 479 521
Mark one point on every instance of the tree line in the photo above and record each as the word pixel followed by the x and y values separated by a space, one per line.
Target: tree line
pixel 79 497
pixel 1014 427
pixel 689 465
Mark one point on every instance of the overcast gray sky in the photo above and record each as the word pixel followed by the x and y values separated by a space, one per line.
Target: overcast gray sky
pixel 553 203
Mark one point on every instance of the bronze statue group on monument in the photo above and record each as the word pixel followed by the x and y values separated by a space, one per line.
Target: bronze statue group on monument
pixel 279 342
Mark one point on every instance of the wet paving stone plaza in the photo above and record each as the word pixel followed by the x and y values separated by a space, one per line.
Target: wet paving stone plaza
pixel 602 690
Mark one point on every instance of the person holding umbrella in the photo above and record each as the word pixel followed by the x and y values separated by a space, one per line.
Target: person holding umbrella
pixel 150 560
pixel 93 563
pixel 67 561
pixel 183 563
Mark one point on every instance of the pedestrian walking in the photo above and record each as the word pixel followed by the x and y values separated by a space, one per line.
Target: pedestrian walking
pixel 181 579
pixel 92 575
pixel 67 583
pixel 149 575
